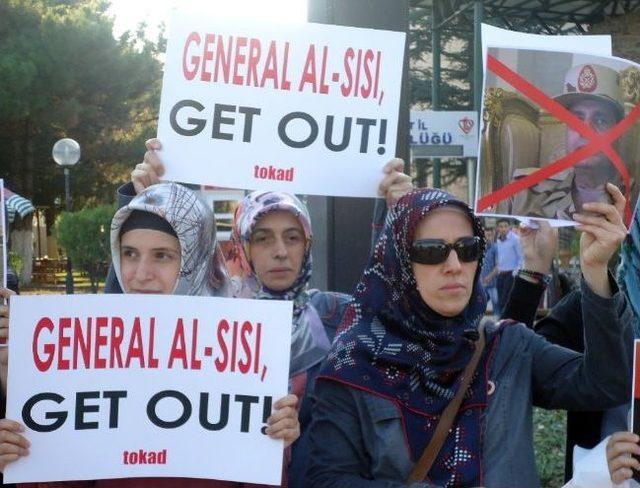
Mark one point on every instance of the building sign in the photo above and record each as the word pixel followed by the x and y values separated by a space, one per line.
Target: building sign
pixel 442 134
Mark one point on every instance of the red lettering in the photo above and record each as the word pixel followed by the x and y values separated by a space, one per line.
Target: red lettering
pixel 377 77
pixel 358 66
pixel 324 88
pixel 207 55
pixel 179 346
pixel 309 71
pixel 195 362
pixel 270 71
pixel 245 330
pixel 252 66
pixel 348 57
pixel 63 342
pixel 239 59
pixel 101 340
pixel 135 349
pixel 152 361
pixel 234 345
pixel 366 88
pixel 81 343
pixel 49 349
pixel 221 365
pixel 191 71
pixel 285 83
pixel 258 337
pixel 223 61
pixel 117 335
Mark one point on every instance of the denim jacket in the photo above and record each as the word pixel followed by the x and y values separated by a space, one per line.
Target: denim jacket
pixel 357 438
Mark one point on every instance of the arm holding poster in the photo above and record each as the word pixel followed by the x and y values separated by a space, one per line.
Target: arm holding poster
pixel 620 461
pixel 602 233
pixel 13 444
pixel 157 250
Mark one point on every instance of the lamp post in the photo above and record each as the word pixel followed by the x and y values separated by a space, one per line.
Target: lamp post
pixel 66 153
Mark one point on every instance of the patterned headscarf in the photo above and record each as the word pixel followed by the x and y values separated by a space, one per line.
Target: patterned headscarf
pixel 202 269
pixel 392 344
pixel 309 342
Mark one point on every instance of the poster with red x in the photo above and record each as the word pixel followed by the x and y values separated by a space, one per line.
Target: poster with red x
pixel 557 127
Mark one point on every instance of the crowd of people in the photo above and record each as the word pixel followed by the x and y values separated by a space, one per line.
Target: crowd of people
pixel 405 382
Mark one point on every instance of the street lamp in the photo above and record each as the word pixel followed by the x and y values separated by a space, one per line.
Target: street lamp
pixel 66 152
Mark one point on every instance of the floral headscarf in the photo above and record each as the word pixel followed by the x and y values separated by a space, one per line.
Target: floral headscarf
pixel 309 342
pixel 392 344
pixel 202 269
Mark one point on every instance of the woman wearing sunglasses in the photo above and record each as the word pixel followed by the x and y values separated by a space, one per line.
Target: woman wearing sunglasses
pixel 415 393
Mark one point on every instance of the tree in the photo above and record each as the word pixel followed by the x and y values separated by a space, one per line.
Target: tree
pixel 456 62
pixel 455 73
pixel 84 235
pixel 65 75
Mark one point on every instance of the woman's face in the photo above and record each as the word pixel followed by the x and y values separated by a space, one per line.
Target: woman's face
pixel 446 288
pixel 149 261
pixel 277 248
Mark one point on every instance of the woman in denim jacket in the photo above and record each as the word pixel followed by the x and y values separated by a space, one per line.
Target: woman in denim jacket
pixel 398 358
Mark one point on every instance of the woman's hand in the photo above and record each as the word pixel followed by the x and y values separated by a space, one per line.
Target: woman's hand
pixel 395 184
pixel 283 423
pixel 12 444
pixel 149 171
pixel 5 293
pixel 621 464
pixel 602 234
pixel 539 246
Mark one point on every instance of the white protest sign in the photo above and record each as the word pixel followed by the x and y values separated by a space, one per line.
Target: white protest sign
pixel 304 108
pixel 119 386
pixel 446 128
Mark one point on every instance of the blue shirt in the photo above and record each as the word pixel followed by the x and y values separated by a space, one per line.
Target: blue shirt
pixel 489 263
pixel 509 253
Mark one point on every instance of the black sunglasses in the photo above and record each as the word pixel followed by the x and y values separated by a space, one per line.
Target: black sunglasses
pixel 436 251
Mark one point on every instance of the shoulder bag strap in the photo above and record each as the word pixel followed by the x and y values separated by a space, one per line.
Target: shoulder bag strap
pixel 422 467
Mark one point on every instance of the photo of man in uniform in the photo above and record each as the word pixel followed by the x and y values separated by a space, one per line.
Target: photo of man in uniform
pixel 524 131
pixel 591 93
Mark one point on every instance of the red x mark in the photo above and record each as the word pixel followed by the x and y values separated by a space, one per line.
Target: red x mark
pixel 599 142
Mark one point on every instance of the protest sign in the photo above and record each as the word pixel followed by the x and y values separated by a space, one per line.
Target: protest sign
pixel 557 127
pixel 298 108
pixel 144 385
pixel 443 130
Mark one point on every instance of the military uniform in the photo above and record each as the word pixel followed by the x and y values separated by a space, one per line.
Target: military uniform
pixel 549 199
pixel 552 198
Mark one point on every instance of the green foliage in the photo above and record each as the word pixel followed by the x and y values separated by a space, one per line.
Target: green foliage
pixel 456 61
pixel 549 433
pixel 65 75
pixel 16 262
pixel 84 236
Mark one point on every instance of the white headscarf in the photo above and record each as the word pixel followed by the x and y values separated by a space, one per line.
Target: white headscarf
pixel 202 268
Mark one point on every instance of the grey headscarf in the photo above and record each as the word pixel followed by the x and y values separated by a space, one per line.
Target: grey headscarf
pixel 202 268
